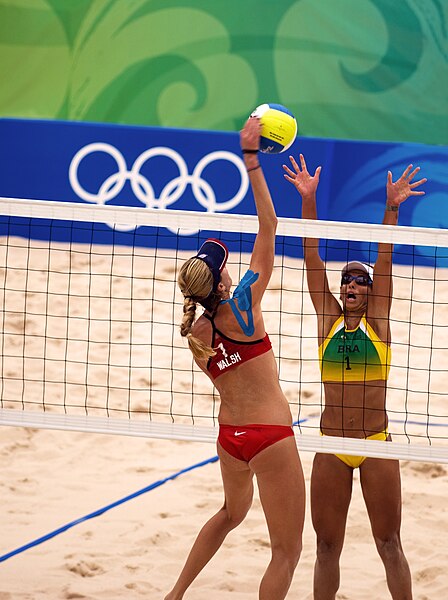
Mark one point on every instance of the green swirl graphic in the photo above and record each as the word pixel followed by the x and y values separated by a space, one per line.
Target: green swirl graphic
pixel 360 83
pixel 34 59
pixel 403 51
pixel 185 74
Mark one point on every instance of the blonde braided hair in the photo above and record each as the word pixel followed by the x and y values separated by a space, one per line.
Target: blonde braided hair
pixel 195 280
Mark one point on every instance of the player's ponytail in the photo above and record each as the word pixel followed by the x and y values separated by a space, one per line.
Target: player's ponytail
pixel 196 282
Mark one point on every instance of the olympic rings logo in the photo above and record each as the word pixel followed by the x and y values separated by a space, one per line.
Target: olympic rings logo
pixel 142 187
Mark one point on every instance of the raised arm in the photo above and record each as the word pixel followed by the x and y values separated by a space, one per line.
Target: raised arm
pixel 396 193
pixel 306 184
pixel 262 260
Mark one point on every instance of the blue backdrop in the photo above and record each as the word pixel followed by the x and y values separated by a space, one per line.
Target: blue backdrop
pixel 200 170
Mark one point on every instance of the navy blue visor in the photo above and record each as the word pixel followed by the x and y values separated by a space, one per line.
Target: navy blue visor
pixel 214 253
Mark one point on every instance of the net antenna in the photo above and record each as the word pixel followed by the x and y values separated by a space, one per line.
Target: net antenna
pixel 90 323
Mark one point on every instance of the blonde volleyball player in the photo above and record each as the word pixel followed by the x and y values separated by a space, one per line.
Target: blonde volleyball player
pixel 354 352
pixel 230 345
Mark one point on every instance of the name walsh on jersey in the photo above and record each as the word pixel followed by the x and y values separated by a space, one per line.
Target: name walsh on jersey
pixel 229 361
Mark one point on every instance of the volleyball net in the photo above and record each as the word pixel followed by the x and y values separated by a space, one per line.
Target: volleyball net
pixel 90 314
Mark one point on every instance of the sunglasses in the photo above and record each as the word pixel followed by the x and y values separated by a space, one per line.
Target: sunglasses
pixel 358 279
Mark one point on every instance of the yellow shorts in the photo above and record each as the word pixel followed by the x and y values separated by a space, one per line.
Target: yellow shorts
pixel 356 461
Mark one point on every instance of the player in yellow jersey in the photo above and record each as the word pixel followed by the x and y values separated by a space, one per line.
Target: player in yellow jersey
pixel 354 351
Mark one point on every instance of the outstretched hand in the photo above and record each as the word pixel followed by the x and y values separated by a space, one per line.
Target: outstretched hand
pixel 400 190
pixel 305 183
pixel 250 134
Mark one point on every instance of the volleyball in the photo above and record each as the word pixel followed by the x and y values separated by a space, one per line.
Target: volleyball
pixel 278 128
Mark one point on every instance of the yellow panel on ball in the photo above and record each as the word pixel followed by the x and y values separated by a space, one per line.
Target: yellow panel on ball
pixel 278 127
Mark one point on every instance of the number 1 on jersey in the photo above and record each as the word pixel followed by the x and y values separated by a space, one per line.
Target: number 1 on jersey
pixel 223 350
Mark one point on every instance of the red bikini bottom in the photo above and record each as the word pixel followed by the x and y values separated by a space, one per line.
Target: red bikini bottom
pixel 246 441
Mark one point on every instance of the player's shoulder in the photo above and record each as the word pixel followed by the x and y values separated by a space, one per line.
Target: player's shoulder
pixel 201 327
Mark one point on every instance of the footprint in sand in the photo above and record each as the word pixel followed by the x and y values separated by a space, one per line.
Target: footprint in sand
pixel 260 542
pixel 429 574
pixel 73 595
pixel 429 469
pixel 157 538
pixel 85 569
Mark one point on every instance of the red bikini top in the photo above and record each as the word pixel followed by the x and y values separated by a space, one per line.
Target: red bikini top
pixel 232 353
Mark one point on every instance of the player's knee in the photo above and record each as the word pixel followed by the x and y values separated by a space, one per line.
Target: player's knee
pixel 389 546
pixel 287 551
pixel 235 515
pixel 327 550
pixel 236 519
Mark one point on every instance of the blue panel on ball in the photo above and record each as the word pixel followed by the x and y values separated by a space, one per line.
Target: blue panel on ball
pixel 281 108
pixel 268 146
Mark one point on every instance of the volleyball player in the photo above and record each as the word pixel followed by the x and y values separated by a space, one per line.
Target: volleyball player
pixel 230 345
pixel 354 353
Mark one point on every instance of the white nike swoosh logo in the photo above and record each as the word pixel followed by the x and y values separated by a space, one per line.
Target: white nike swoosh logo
pixel 239 432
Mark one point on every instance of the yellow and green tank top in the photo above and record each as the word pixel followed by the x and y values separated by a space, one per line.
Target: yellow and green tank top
pixel 353 354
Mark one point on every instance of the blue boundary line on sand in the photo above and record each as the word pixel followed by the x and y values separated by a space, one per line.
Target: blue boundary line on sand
pixel 101 511
pixel 422 423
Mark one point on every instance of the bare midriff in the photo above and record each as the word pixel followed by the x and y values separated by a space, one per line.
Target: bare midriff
pixel 251 393
pixel 354 409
